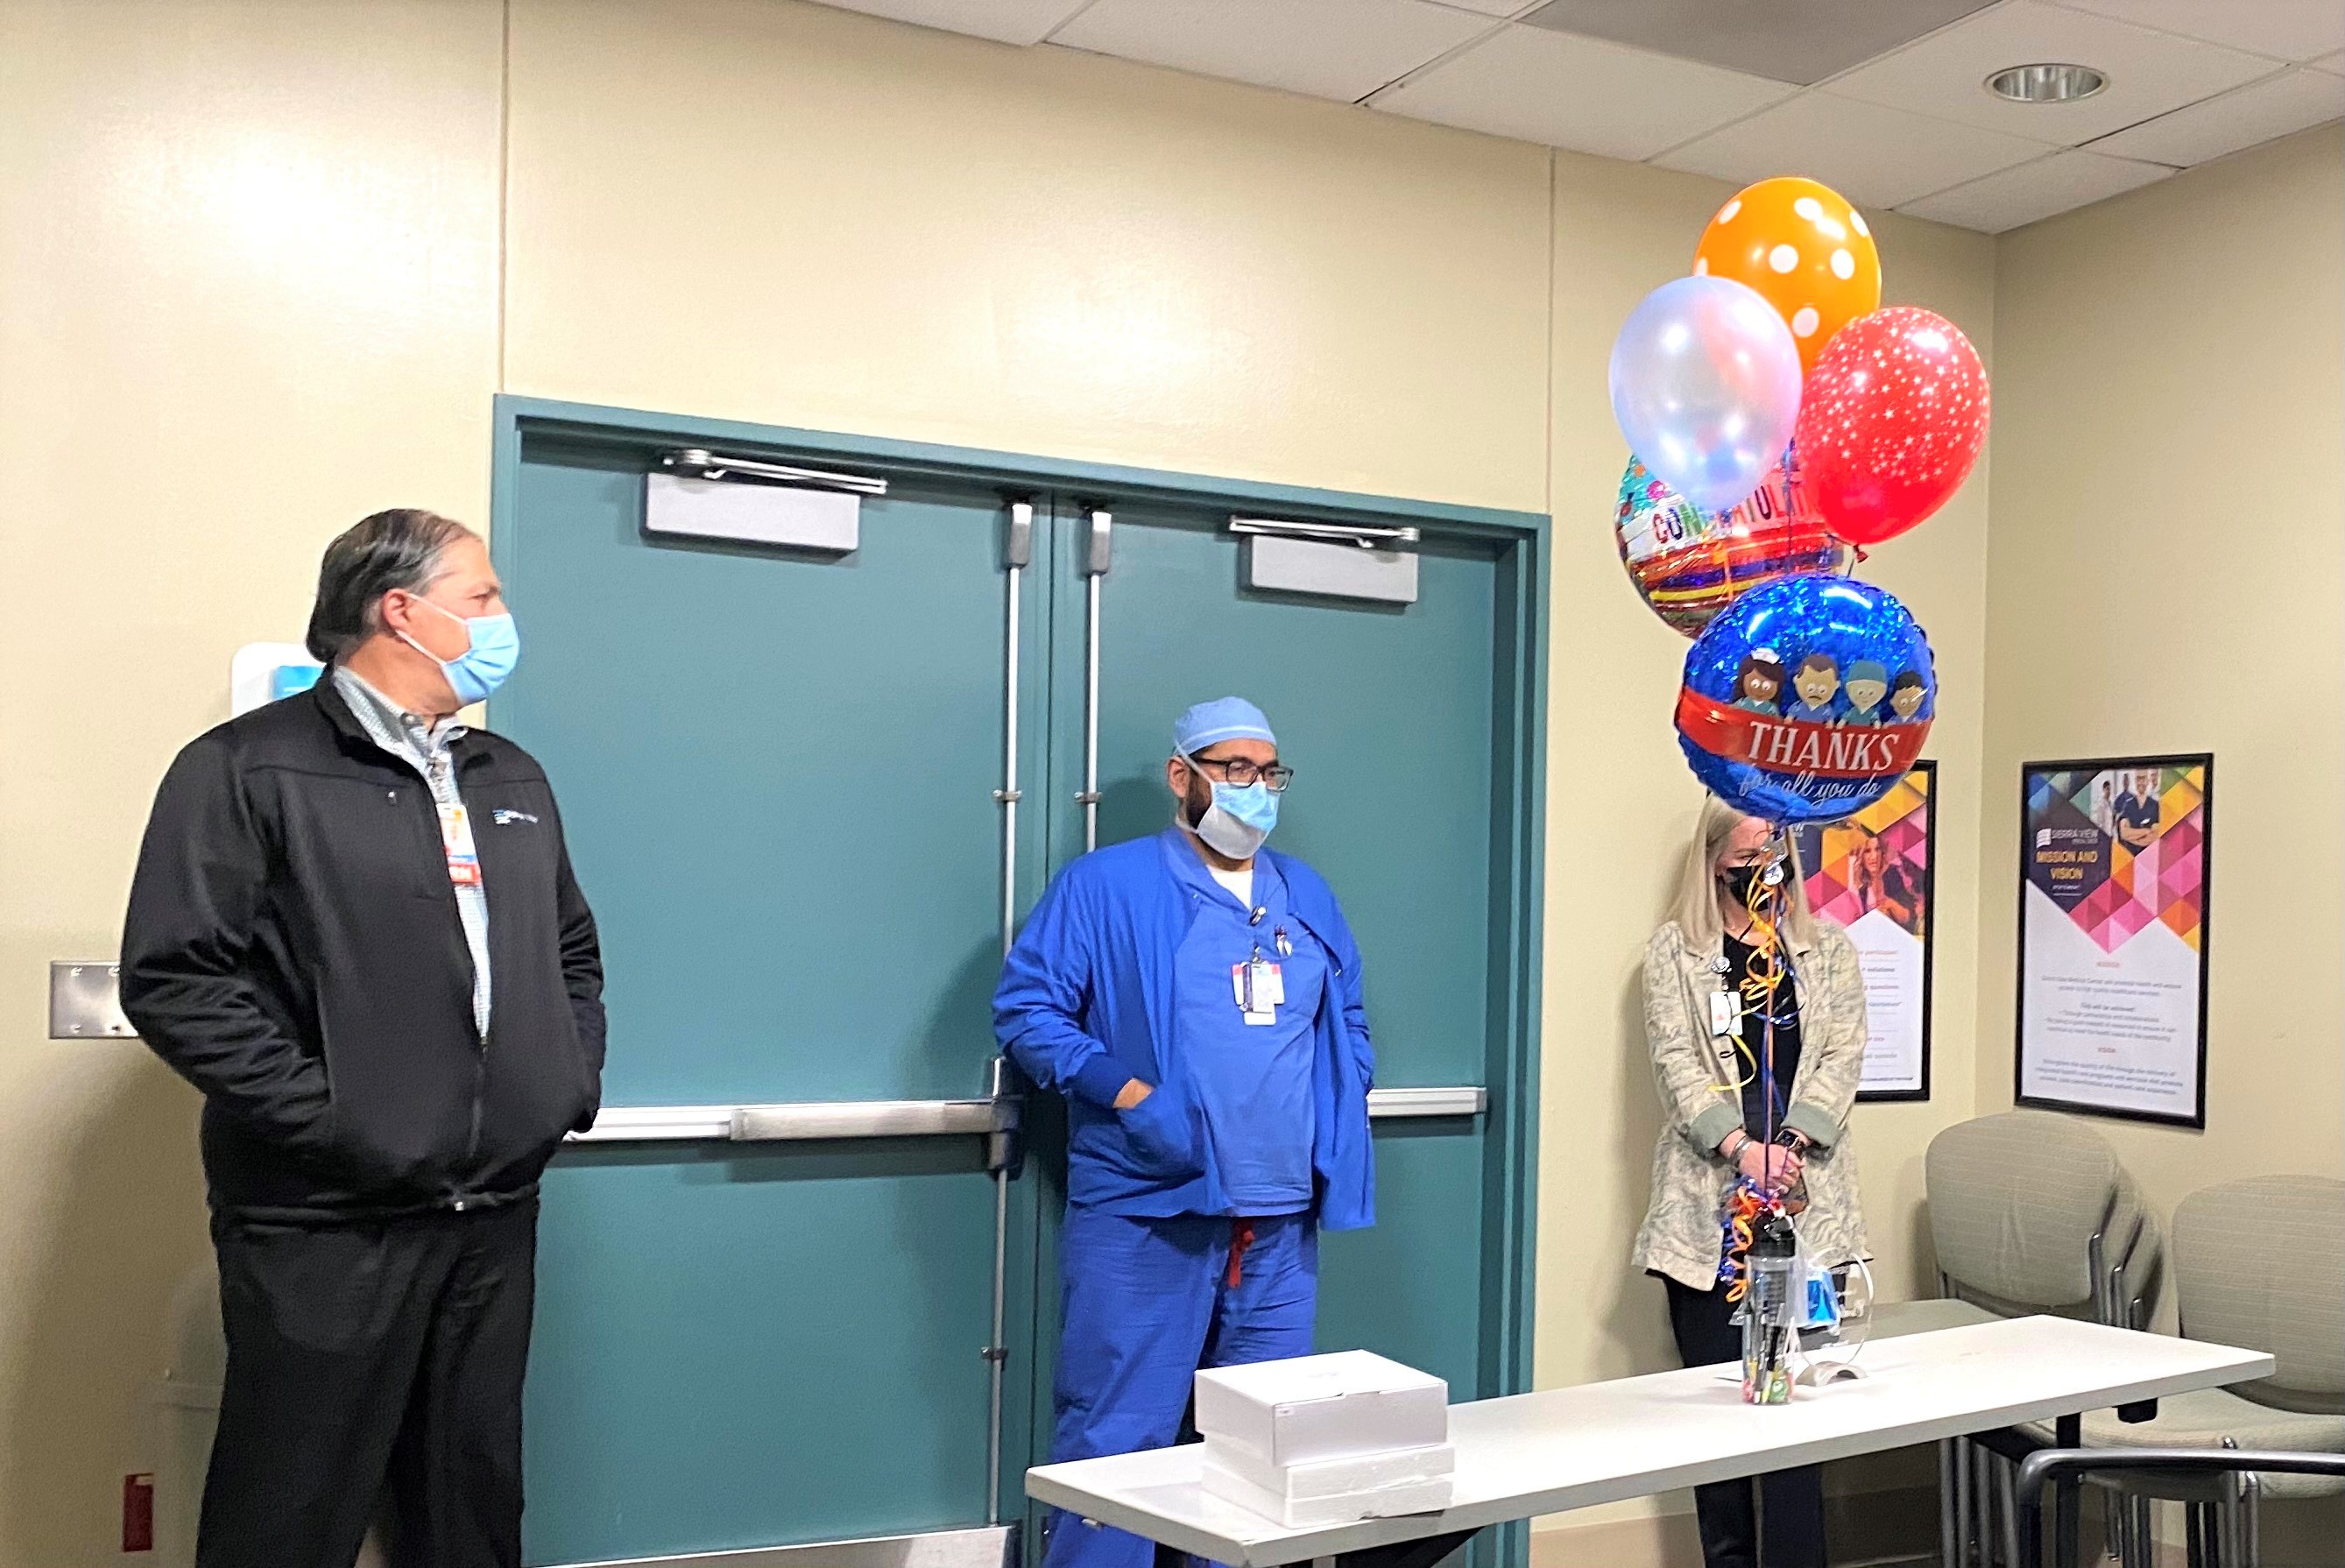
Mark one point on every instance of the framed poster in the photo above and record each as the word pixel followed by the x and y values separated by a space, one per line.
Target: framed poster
pixel 1873 874
pixel 2113 863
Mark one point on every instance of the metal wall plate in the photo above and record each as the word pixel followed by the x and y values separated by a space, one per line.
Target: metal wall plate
pixel 823 521
pixel 1330 571
pixel 86 1001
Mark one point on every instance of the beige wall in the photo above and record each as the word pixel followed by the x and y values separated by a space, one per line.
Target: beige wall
pixel 266 263
pixel 248 288
pixel 855 225
pixel 2168 574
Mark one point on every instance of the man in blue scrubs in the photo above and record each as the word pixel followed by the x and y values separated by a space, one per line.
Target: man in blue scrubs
pixel 1196 997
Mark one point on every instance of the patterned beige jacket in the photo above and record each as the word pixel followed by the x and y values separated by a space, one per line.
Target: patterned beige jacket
pixel 1681 1235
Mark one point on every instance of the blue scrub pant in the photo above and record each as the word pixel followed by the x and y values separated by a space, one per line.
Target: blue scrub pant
pixel 1146 1303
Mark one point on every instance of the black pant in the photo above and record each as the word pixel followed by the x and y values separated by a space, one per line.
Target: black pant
pixel 1724 1509
pixel 372 1370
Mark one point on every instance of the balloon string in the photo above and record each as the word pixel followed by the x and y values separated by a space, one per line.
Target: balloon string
pixel 1744 1207
pixel 1761 984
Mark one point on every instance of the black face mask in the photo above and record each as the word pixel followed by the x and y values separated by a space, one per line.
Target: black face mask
pixel 1739 881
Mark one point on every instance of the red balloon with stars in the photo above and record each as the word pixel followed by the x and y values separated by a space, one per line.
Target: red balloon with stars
pixel 1894 417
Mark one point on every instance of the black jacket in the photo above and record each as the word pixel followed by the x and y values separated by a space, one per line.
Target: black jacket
pixel 293 950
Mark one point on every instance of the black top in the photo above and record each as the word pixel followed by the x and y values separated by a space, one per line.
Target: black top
pixel 293 950
pixel 1755 1119
pixel 2134 810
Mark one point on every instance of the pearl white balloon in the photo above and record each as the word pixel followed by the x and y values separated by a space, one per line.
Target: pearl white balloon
pixel 1706 385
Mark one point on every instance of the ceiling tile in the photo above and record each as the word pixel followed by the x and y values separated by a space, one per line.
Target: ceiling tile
pixel 1343 49
pixel 2332 63
pixel 2289 101
pixel 2284 29
pixel 1875 156
pixel 1944 74
pixel 2065 179
pixel 1010 21
pixel 1799 41
pixel 1577 93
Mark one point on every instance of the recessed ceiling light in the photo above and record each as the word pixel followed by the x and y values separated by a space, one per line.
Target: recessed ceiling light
pixel 2047 83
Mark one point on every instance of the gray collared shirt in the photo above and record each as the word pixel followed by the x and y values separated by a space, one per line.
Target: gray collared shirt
pixel 426 748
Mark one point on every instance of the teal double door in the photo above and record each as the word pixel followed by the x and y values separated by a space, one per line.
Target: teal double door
pixel 804 793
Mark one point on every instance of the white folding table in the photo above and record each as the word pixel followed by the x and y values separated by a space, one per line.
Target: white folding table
pixel 1548 1452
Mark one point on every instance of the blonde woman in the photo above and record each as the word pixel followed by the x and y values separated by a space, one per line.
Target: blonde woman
pixel 1711 1062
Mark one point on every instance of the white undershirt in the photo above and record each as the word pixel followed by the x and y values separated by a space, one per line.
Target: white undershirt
pixel 1239 882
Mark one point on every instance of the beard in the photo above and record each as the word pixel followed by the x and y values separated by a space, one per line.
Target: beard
pixel 1196 799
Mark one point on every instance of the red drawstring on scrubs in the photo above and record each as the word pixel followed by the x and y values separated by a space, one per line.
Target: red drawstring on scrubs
pixel 1241 1238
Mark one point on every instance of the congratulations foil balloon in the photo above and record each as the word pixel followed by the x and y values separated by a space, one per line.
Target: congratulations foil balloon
pixel 1687 564
pixel 1806 699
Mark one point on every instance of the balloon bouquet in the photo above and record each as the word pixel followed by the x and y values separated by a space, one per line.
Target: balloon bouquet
pixel 1781 423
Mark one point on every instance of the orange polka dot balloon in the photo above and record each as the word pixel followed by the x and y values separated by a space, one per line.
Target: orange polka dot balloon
pixel 1803 247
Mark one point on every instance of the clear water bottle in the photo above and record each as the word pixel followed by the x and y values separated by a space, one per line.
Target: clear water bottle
pixel 1773 1311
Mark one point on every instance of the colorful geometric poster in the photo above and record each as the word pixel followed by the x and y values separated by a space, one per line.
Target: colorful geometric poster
pixel 1871 873
pixel 2113 937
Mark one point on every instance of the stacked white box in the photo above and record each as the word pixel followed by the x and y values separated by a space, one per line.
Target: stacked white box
pixel 1324 1439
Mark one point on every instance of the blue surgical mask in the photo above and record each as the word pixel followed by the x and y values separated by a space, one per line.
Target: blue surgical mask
pixel 1239 819
pixel 482 667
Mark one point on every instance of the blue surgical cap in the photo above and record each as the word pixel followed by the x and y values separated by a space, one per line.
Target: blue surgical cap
pixel 1223 718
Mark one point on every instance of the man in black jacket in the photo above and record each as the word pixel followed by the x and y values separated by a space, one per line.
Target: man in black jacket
pixel 354 928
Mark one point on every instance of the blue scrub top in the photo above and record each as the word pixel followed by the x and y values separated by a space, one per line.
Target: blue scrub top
pixel 1251 1080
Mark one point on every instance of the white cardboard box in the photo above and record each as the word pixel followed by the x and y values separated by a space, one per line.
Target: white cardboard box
pixel 1316 1408
pixel 1332 1491
pixel 1329 1478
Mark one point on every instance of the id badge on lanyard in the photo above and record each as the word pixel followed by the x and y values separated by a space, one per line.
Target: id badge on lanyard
pixel 1260 987
pixel 456 840
pixel 1725 1014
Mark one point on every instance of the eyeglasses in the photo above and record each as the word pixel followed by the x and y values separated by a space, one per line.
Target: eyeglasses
pixel 1237 771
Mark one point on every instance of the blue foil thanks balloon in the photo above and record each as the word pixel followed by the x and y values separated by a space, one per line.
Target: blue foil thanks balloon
pixel 1806 699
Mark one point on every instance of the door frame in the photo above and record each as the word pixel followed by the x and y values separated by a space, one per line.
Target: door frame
pixel 1524 564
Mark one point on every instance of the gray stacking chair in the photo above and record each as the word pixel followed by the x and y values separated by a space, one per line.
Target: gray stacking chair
pixel 2029 1213
pixel 2259 1264
pixel 2032 1211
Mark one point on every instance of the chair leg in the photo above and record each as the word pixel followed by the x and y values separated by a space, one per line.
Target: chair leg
pixel 1990 1510
pixel 1982 1509
pixel 2006 1475
pixel 2141 1534
pixel 1948 1541
pixel 2252 1520
pixel 1961 1502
